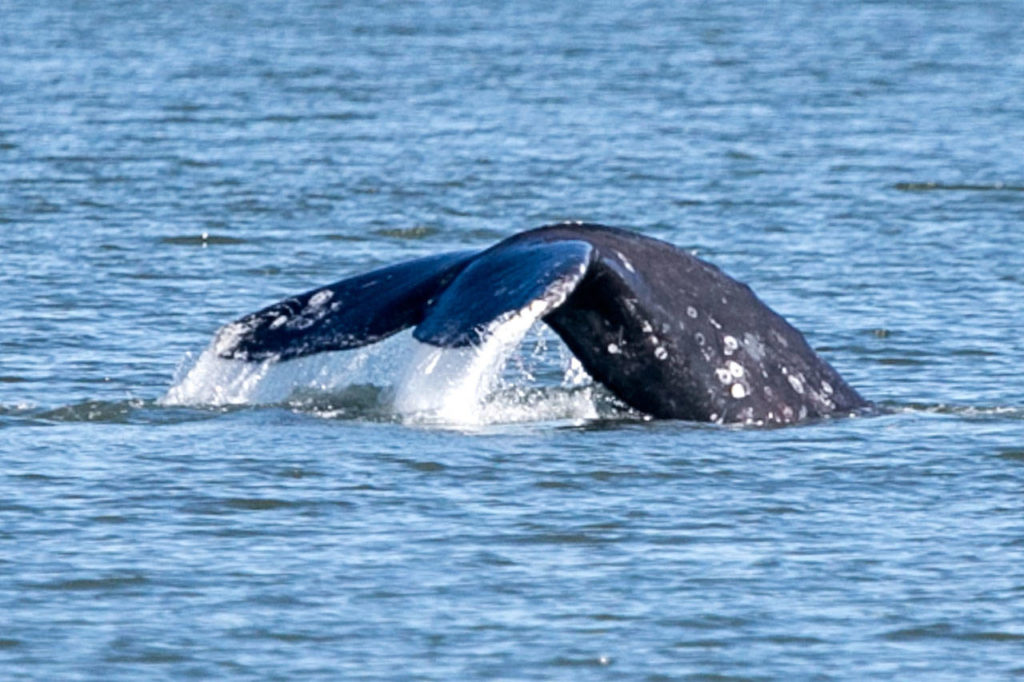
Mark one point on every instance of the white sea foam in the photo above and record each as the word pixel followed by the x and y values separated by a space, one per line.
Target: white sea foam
pixel 504 380
pixel 212 380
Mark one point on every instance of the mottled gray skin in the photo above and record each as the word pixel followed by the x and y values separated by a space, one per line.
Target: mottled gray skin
pixel 668 334
pixel 687 341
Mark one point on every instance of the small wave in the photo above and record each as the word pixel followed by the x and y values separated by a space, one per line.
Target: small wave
pixel 956 187
pixel 115 412
pixel 966 411
pixel 945 630
pixel 94 584
pixel 415 232
pixel 202 239
pixel 356 401
pixel 128 411
pixel 1014 454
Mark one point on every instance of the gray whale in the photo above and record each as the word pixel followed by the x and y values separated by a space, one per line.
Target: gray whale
pixel 669 334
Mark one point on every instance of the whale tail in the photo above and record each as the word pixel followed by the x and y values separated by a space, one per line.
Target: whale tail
pixel 453 300
pixel 347 314
pixel 667 333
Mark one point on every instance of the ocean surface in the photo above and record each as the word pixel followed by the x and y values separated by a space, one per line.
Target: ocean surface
pixel 168 167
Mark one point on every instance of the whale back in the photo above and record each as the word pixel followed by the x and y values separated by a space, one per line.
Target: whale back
pixel 675 337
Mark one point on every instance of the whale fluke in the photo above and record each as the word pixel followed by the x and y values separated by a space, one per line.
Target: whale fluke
pixel 348 314
pixel 500 283
pixel 667 333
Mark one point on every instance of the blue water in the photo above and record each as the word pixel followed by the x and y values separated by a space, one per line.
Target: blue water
pixel 167 167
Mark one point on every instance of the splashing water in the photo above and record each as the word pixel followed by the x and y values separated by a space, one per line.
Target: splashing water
pixel 506 379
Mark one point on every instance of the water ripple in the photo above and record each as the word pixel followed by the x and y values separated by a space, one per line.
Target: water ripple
pixel 167 167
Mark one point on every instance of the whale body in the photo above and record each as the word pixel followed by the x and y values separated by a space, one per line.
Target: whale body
pixel 666 332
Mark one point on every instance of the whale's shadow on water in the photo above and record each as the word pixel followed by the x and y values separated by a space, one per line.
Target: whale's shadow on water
pixel 663 332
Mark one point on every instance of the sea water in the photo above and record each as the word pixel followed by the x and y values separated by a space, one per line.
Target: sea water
pixel 166 168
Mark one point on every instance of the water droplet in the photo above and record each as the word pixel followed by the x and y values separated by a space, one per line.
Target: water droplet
pixel 738 391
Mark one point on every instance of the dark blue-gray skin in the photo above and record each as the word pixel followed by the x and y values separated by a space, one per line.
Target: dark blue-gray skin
pixel 669 334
